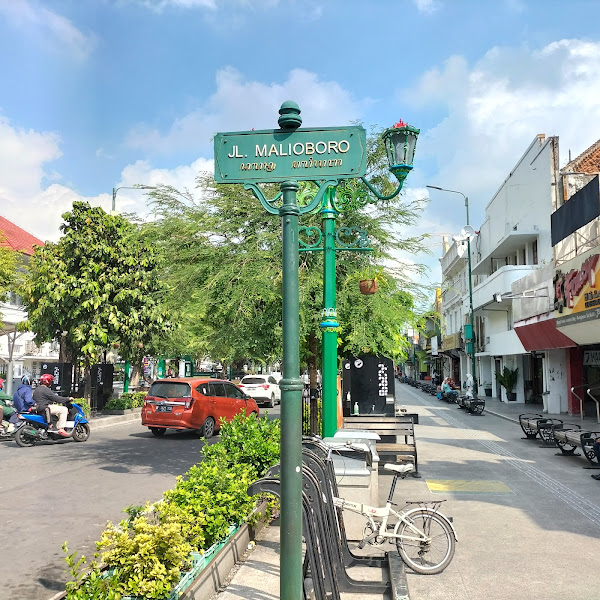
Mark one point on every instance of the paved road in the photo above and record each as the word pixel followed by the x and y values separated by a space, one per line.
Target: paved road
pixel 68 491
pixel 534 534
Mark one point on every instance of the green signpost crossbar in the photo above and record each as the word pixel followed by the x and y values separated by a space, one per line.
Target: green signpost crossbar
pixel 300 155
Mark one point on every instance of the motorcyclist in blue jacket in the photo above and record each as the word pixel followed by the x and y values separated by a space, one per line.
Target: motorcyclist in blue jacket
pixel 23 398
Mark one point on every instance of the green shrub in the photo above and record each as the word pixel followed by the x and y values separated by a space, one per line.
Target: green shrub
pixel 250 440
pixel 85 406
pixel 214 495
pixel 150 552
pixel 92 584
pixel 126 401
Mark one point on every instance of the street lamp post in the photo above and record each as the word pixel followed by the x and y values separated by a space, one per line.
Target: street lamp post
pixel 400 143
pixel 471 318
pixel 325 156
pixel 137 186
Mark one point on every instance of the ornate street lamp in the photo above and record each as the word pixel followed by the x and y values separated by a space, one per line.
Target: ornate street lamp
pixel 400 143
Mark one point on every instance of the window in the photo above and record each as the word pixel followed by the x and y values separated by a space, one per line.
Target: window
pixel 170 389
pixel 534 252
pixel 253 380
pixel 216 389
pixel 231 391
pixel 272 380
pixel 523 256
pixel 203 389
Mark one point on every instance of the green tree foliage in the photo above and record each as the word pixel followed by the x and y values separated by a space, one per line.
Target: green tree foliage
pixel 99 284
pixel 8 268
pixel 223 252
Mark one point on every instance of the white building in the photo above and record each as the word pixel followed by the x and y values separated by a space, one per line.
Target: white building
pixel 511 259
pixel 19 354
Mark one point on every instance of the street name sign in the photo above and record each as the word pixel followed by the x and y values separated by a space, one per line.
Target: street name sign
pixel 302 154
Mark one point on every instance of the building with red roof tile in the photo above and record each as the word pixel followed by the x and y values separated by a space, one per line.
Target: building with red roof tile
pixel 15 238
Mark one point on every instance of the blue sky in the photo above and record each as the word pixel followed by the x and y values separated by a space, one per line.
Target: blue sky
pixel 97 94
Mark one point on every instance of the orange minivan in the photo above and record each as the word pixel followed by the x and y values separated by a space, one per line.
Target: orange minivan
pixel 193 403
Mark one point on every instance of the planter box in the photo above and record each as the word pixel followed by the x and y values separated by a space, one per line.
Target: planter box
pixel 511 396
pixel 488 392
pixel 211 569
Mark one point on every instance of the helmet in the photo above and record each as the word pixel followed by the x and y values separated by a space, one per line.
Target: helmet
pixel 26 380
pixel 46 379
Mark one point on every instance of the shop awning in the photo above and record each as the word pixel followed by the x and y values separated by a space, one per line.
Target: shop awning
pixel 542 335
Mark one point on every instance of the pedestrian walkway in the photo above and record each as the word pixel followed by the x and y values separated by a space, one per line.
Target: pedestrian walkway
pixel 524 517
pixel 512 410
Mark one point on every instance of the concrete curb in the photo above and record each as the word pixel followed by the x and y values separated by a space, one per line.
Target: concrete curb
pixel 101 422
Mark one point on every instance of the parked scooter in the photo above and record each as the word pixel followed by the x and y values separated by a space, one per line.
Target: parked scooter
pixel 34 428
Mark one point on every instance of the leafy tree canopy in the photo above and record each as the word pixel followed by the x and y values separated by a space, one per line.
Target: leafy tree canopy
pixel 8 268
pixel 98 284
pixel 222 255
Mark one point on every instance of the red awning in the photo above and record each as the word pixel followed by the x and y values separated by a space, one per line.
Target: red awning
pixel 543 335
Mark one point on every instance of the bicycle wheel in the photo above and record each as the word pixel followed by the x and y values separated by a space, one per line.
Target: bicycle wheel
pixel 426 557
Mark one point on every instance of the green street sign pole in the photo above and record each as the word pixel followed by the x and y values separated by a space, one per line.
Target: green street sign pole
pixel 325 156
pixel 329 324
pixel 291 404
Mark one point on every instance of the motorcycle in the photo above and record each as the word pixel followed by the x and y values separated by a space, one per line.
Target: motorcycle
pixel 34 428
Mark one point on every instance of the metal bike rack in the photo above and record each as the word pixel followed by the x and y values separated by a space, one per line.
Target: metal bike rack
pixel 596 400
pixel 594 385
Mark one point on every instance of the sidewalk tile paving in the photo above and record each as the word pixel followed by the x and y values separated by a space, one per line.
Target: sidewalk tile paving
pixel 527 521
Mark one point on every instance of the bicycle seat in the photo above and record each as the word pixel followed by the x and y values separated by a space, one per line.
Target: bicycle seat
pixel 399 468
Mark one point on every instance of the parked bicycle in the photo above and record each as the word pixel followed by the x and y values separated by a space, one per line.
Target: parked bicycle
pixel 425 538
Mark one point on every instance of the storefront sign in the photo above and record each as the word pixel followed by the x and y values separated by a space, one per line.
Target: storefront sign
pixel 591 358
pixel 451 342
pixel 302 154
pixel 577 290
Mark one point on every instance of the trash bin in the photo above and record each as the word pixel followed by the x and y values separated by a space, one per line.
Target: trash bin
pixel 356 471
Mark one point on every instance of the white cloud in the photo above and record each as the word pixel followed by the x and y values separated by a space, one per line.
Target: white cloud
pixel 141 172
pixel 30 203
pixel 48 26
pixel 238 104
pixel 497 107
pixel 211 5
pixel 427 6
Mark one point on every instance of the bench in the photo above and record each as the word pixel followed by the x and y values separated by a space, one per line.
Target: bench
pixel 397 436
pixel 568 440
pixel 534 424
pixel 327 554
pixel 474 405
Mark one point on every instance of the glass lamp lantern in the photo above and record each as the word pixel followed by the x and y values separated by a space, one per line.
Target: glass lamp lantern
pixel 400 143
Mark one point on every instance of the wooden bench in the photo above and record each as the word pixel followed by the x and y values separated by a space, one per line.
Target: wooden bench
pixel 568 440
pixel 397 436
pixel 534 424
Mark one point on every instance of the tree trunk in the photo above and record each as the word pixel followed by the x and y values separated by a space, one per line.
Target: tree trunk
pixel 136 372
pixel 315 421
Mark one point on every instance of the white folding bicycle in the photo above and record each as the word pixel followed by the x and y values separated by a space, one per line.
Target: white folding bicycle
pixel 425 538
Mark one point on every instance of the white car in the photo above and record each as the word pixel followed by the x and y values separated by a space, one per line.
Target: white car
pixel 263 388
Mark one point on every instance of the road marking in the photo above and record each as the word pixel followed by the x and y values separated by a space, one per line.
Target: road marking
pixel 476 486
